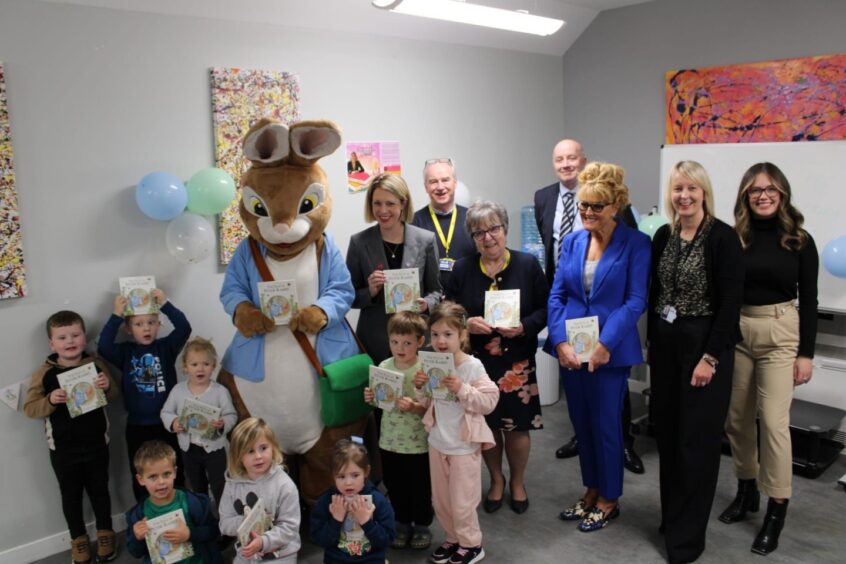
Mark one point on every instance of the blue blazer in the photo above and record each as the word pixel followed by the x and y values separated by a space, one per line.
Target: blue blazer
pixel 618 297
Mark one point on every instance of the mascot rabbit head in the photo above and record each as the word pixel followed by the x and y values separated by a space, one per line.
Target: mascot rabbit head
pixel 285 200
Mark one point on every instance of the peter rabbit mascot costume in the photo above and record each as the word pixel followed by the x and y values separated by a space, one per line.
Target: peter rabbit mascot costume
pixel 285 206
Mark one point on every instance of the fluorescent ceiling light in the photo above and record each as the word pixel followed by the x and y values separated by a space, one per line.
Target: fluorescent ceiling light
pixel 474 14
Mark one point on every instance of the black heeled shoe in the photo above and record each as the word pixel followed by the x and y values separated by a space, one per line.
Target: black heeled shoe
pixel 491 505
pixel 519 506
pixel 767 539
pixel 748 498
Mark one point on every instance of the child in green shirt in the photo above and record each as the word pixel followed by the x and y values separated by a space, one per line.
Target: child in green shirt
pixel 403 442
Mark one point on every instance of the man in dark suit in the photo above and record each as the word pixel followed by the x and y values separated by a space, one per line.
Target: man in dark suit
pixel 556 216
pixel 443 216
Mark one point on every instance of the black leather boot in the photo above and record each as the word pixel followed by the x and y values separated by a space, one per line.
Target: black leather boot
pixel 747 499
pixel 767 539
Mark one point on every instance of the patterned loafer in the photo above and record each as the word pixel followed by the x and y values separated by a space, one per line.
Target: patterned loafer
pixel 575 512
pixel 421 539
pixel 595 519
pixel 402 537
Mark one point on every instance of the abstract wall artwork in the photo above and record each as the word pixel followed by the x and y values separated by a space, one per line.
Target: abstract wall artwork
pixel 12 275
pixel 241 97
pixel 788 100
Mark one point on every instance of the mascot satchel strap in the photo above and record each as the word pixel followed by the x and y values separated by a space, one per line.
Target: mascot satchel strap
pixel 299 335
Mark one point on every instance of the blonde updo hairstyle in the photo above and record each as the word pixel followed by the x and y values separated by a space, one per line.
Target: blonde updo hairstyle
pixel 603 182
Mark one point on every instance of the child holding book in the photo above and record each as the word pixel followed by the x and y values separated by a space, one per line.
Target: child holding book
pixel 155 464
pixel 79 446
pixel 352 521
pixel 148 368
pixel 457 434
pixel 256 474
pixel 403 441
pixel 203 451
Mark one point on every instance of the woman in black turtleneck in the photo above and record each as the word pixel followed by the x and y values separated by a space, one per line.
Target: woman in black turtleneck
pixel 777 349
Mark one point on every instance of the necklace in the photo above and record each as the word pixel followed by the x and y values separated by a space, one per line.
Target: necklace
pixel 393 250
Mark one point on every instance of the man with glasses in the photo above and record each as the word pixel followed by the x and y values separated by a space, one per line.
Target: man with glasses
pixel 557 215
pixel 443 216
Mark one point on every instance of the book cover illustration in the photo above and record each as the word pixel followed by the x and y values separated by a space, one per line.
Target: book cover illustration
pixel 502 308
pixel 162 551
pixel 386 386
pixel 353 540
pixel 402 288
pixel 138 291
pixel 196 418
pixel 583 336
pixel 437 366
pixel 256 520
pixel 83 394
pixel 278 300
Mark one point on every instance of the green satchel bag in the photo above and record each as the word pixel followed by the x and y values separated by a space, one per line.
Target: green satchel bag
pixel 342 382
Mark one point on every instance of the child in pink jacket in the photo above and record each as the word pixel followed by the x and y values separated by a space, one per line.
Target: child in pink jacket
pixel 457 434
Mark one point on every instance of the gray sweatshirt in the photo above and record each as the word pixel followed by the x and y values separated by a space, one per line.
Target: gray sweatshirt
pixel 216 396
pixel 281 501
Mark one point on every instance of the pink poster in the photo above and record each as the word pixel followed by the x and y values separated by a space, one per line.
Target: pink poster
pixel 366 159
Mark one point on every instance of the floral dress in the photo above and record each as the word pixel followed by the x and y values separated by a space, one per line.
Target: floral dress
pixel 510 363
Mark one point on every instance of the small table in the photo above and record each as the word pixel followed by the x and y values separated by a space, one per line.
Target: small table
pixel 811 428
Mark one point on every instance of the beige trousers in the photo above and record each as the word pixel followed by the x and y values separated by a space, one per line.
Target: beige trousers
pixel 763 386
pixel 456 491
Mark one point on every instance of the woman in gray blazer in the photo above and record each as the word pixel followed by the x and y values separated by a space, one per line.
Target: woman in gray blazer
pixel 390 244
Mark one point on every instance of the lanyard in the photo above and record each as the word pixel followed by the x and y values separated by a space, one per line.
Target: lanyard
pixel 493 285
pixel 679 260
pixel 446 242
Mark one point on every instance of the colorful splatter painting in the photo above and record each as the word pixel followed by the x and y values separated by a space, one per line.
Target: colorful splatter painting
pixel 240 97
pixel 788 100
pixel 12 274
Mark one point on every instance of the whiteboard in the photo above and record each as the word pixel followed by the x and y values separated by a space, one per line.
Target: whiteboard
pixel 816 171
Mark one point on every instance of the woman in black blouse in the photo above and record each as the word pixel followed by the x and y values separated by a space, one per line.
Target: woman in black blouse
pixel 508 353
pixel 777 348
pixel 694 305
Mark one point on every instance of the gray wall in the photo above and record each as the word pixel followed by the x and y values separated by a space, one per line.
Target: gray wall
pixel 98 98
pixel 614 73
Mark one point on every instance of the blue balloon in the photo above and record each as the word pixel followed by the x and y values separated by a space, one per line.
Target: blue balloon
pixel 834 256
pixel 161 195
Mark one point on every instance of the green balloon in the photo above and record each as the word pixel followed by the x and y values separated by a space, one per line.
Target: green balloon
pixel 649 224
pixel 210 191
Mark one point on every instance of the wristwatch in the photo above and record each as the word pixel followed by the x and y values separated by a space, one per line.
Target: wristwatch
pixel 710 360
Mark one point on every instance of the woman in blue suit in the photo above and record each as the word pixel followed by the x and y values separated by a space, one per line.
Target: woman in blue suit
pixel 604 272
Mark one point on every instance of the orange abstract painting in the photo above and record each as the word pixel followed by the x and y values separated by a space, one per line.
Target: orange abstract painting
pixel 788 100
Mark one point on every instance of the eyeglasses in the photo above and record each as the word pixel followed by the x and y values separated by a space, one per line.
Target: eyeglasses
pixel 480 234
pixel 595 207
pixel 770 191
pixel 436 161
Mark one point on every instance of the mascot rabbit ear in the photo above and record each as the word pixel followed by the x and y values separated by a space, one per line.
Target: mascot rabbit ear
pixel 266 143
pixel 312 140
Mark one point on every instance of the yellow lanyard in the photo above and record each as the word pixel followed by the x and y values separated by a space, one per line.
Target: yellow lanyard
pixel 448 241
pixel 493 285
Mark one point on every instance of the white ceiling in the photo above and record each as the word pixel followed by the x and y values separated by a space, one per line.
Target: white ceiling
pixel 358 16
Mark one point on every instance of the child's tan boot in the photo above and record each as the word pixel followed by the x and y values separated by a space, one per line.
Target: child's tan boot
pixel 106 546
pixel 81 550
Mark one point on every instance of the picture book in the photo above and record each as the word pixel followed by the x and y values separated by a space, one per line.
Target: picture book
pixel 502 308
pixel 437 366
pixel 256 520
pixel 402 288
pixel 161 550
pixel 196 418
pixel 278 300
pixel 386 386
pixel 583 336
pixel 351 531
pixel 138 291
pixel 83 394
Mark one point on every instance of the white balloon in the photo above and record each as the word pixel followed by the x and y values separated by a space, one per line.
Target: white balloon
pixel 462 194
pixel 189 238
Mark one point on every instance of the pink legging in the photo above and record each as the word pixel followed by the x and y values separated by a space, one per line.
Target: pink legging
pixel 456 492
